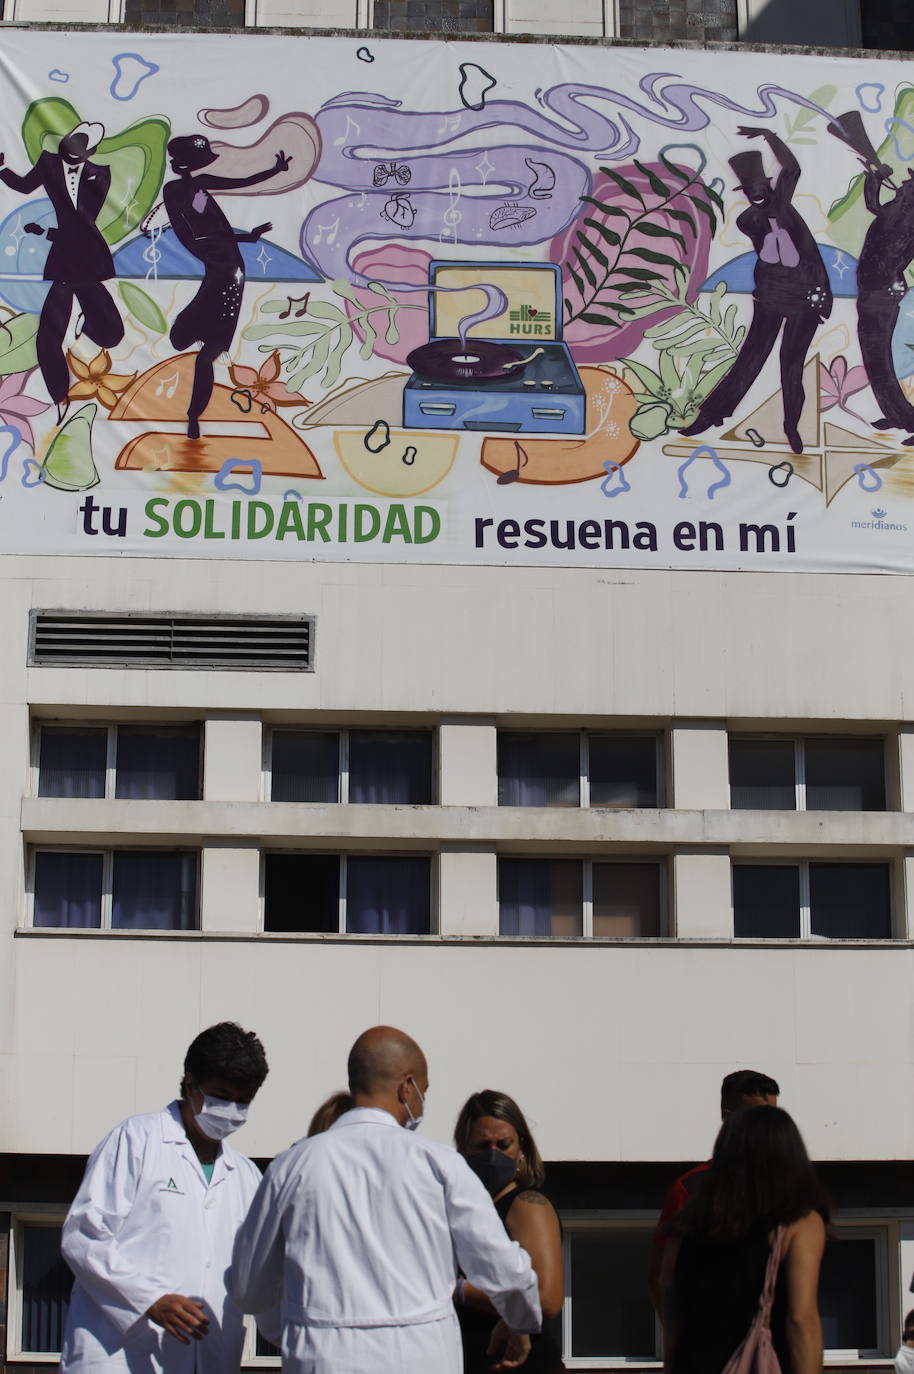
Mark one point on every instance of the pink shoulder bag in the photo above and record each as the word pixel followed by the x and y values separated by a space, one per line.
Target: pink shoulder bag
pixel 756 1354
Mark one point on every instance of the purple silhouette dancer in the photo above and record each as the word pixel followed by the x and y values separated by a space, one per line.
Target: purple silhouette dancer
pixel 791 289
pixel 79 260
pixel 211 317
pixel 881 287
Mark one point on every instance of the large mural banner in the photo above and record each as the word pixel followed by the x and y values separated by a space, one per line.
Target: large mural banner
pixel 400 301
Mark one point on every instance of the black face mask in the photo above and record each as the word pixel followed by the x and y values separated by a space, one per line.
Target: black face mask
pixel 493 1169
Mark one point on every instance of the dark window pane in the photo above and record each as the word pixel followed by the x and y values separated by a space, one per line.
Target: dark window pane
pixel 848 1295
pixel 158 763
pixel 388 896
pixel 604 1263
pixel 302 892
pixel 306 766
pixel 762 775
pixel 68 889
pixel 539 770
pixel 540 896
pixel 626 899
pixel 72 761
pixel 850 901
pixel 388 767
pixel 154 889
pixel 623 770
pixel 46 1285
pixel 845 775
pixel 446 16
pixel 265 1347
pixel 766 901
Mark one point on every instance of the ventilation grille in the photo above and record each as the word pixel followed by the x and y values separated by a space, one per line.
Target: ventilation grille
pixel 171 641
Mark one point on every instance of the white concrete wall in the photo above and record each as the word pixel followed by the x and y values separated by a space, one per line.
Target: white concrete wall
pixel 616 1048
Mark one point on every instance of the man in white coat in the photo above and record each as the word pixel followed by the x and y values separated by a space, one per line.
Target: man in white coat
pixel 149 1236
pixel 356 1234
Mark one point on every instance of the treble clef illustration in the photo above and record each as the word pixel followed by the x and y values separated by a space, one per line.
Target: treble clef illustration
pixel 152 254
pixel 452 215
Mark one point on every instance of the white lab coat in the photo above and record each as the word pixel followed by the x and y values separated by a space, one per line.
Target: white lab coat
pixel 357 1234
pixel 144 1223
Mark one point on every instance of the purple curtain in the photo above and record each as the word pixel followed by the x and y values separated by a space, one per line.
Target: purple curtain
pixel 388 896
pixel 540 897
pixel 68 889
pixel 158 763
pixel 72 761
pixel 539 769
pixel 154 890
pixel 390 769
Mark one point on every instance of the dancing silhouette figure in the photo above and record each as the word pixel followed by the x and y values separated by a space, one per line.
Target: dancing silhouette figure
pixel 211 317
pixel 791 289
pixel 79 259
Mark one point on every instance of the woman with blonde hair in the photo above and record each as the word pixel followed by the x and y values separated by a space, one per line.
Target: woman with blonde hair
pixel 493 1136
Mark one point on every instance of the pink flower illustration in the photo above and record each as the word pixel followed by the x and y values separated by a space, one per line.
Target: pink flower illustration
pixel 15 408
pixel 838 383
pixel 264 385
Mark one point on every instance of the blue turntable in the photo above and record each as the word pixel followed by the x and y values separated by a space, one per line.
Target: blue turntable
pixel 514 375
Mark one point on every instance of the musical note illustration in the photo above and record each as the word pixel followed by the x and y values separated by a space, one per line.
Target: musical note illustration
pixel 521 460
pixel 451 124
pixel 452 215
pixel 330 230
pixel 345 135
pixel 361 202
pixel 168 385
pixel 300 301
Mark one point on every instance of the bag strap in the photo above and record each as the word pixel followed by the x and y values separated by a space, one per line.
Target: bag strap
pixel 766 1301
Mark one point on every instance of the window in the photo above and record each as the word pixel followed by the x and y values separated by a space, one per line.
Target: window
pixel 555 768
pixel 121 889
pixel 812 900
pixel 852 1286
pixel 600 1260
pixel 359 894
pixel 387 767
pixel 39 1288
pixel 138 762
pixel 567 897
pixel 813 774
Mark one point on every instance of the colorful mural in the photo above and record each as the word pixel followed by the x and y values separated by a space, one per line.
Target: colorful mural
pixel 458 303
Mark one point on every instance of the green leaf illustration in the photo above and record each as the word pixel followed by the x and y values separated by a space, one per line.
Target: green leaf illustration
pixel 18 352
pixel 142 307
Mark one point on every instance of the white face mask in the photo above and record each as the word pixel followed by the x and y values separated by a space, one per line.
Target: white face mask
pixel 414 1122
pixel 217 1118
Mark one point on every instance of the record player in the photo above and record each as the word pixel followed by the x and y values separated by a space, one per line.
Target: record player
pixel 513 374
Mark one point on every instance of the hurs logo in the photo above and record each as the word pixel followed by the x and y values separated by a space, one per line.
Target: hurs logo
pixel 171 1187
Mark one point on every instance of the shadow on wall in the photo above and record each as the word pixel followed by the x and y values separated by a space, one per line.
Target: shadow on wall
pixel 819 23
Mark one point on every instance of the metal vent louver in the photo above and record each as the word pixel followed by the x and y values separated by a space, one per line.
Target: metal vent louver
pixel 171 641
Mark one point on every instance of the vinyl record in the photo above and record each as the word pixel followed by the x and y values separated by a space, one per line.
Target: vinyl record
pixel 446 360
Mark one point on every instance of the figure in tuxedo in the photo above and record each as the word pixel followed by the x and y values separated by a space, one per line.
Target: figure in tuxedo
pixel 203 229
pixel 79 260
pixel 791 289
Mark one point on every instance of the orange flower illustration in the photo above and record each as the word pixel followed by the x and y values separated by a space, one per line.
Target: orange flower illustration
pixel 96 381
pixel 263 386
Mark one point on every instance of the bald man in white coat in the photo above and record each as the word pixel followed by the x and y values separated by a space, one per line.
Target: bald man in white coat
pixel 356 1234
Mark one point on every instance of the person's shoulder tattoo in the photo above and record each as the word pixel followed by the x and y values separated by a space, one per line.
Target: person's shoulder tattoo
pixel 534 1199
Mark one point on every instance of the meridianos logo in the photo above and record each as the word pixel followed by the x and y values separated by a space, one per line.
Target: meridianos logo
pixel 879 522
pixel 171 1187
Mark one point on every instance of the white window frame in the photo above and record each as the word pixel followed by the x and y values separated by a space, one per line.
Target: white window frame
pixel 110 755
pixel 39 1214
pixel 587 893
pixel 107 901
pixel 341 931
pixel 584 738
pixel 574 1222
pixel 799 762
pixel 806 932
pixel 343 732
pixel 884 1230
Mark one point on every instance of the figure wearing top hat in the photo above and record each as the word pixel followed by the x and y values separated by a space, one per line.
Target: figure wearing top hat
pixel 79 260
pixel 887 251
pixel 791 289
pixel 203 229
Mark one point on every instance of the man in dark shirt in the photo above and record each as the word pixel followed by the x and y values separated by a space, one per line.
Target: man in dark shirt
pixel 744 1088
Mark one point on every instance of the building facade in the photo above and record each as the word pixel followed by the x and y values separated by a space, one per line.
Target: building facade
pixel 631 828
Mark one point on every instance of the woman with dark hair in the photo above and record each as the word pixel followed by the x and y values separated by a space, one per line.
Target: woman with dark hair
pixel 493 1136
pixel 760 1190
